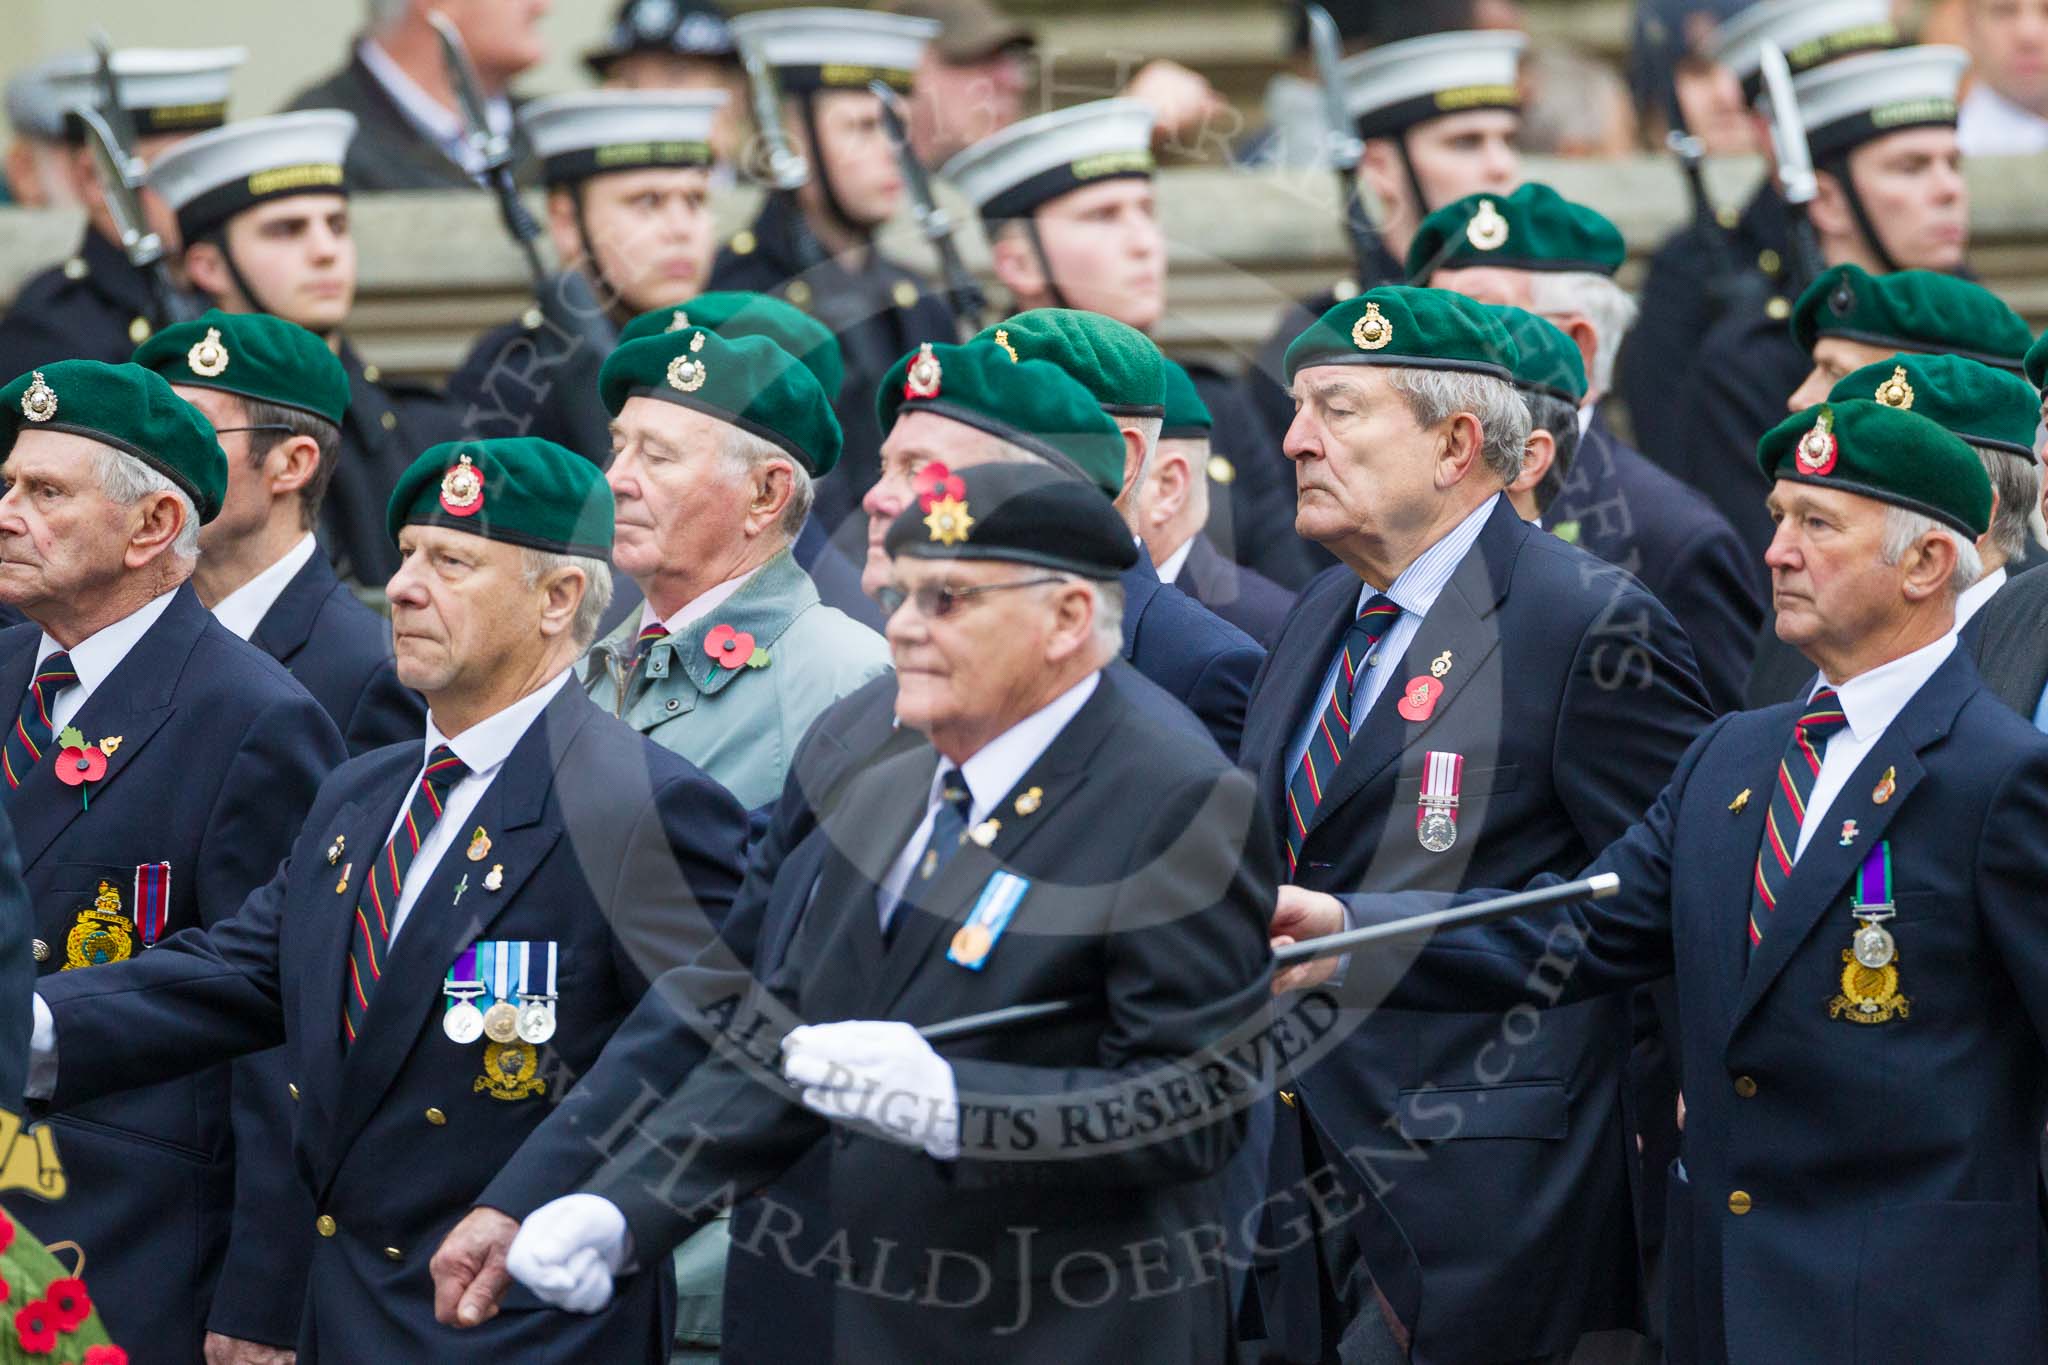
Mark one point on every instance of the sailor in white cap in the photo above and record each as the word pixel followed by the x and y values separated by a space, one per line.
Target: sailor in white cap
pixel 1881 126
pixel 38 158
pixel 1437 116
pixel 262 206
pixel 1745 261
pixel 815 247
pixel 95 305
pixel 628 176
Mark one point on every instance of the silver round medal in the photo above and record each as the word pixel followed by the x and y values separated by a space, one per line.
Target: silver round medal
pixel 1438 830
pixel 1873 946
pixel 536 1022
pixel 463 1023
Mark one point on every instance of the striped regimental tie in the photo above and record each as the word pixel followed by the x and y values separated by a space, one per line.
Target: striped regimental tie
pixel 1332 737
pixel 1796 773
pixel 379 899
pixel 32 733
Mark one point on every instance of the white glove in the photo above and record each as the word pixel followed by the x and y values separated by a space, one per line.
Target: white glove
pixel 568 1250
pixel 878 1075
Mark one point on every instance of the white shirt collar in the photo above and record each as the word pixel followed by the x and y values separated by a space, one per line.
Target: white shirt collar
pixel 1169 569
pixel 242 610
pixel 1872 700
pixel 1585 420
pixel 441 124
pixel 1972 599
pixel 100 653
pixel 697 607
pixel 1419 585
pixel 1001 763
pixel 484 746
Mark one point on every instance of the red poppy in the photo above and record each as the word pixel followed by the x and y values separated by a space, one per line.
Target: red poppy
pixel 36 1329
pixel 6 1231
pixel 934 482
pixel 732 648
pixel 105 1355
pixel 69 1304
pixel 6 1291
pixel 81 765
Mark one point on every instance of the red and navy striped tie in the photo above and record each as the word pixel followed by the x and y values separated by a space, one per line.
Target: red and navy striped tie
pixel 650 635
pixel 1789 795
pixel 379 899
pixel 1332 737
pixel 31 736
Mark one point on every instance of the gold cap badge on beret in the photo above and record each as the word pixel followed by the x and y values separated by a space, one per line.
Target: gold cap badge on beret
pixel 462 488
pixel 1372 332
pixel 1487 231
pixel 208 356
pixel 922 379
pixel 39 403
pixel 1896 392
pixel 686 374
pixel 949 520
pixel 678 322
pixel 1817 448
pixel 1003 340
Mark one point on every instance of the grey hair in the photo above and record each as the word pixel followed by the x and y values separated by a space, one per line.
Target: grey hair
pixel 1903 529
pixel 127 481
pixel 597 587
pixel 2017 482
pixel 1436 396
pixel 749 452
pixel 1611 309
pixel 1561 420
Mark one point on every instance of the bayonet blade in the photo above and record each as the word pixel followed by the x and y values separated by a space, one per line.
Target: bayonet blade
pixel 1342 146
pixel 1788 130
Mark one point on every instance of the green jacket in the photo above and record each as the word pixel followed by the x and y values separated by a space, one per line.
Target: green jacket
pixel 741 725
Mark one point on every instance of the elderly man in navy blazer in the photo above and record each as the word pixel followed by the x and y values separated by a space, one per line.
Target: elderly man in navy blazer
pixel 1464 694
pixel 518 874
pixel 156 770
pixel 1847 891
pixel 276 395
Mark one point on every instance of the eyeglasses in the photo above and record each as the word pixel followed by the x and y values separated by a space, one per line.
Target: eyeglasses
pixel 935 601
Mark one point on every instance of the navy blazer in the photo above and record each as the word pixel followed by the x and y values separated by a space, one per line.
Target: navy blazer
pixel 1571 694
pixel 1631 513
pixel 1244 597
pixel 617 850
pixel 1163 881
pixel 340 651
pixel 1889 1171
pixel 1204 661
pixel 220 755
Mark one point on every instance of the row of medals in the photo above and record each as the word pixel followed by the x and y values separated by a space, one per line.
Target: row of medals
pixel 532 1020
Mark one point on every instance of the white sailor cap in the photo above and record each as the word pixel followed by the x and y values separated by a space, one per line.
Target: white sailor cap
pixel 164 89
pixel 833 49
pixel 35 104
pixel 599 131
pixel 1390 89
pixel 1847 103
pixel 209 178
pixel 1808 32
pixel 1028 163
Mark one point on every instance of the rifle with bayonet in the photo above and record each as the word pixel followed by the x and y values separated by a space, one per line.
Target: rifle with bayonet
pixel 1796 179
pixel 970 304
pixel 1344 150
pixel 566 301
pixel 110 134
pixel 1729 285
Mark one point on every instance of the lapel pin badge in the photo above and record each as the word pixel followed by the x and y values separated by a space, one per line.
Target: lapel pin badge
pixel 334 849
pixel 1418 698
pixel 1740 802
pixel 461 887
pixel 985 833
pixel 341 886
pixel 1030 801
pixel 1849 832
pixel 1886 785
pixel 495 878
pixel 479 846
pixel 1440 665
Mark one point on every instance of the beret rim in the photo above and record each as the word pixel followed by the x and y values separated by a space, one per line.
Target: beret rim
pixel 1405 362
pixel 1883 495
pixel 1919 346
pixel 1004 554
pixel 509 536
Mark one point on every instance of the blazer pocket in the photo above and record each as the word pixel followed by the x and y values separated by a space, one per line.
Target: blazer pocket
pixel 1523 1109
pixel 1919 1261
pixel 1475 782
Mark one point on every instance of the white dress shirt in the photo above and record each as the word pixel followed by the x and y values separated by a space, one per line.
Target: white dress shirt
pixel 94 657
pixel 989 774
pixel 439 125
pixel 1989 124
pixel 1415 591
pixel 1871 701
pixel 697 608
pixel 1169 569
pixel 242 610
pixel 1972 599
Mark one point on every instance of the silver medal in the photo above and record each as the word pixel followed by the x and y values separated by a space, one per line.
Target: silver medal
pixel 1438 830
pixel 536 1021
pixel 463 1023
pixel 1873 946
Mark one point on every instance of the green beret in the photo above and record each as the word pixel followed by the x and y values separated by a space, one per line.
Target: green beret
pixel 1985 407
pixel 1885 453
pixel 2036 363
pixel 251 355
pixel 1547 361
pixel 743 313
pixel 129 408
pixel 518 489
pixel 1428 329
pixel 1018 512
pixel 1535 228
pixel 1117 363
pixel 748 381
pixel 1911 310
pixel 1187 416
pixel 1034 404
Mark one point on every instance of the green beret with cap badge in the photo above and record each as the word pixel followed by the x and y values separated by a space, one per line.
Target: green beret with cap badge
pixel 1535 228
pixel 1984 406
pixel 1911 310
pixel 129 408
pixel 744 313
pixel 251 355
pixel 1116 362
pixel 1895 456
pixel 1430 329
pixel 518 489
pixel 748 381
